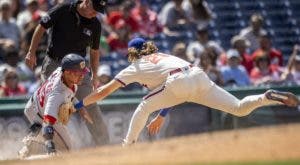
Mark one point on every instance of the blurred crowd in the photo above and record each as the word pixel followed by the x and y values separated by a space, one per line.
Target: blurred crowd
pixel 179 27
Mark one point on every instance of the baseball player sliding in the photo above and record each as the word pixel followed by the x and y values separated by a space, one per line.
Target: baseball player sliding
pixel 174 81
pixel 54 97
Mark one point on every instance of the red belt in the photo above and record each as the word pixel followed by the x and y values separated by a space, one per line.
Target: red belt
pixel 181 69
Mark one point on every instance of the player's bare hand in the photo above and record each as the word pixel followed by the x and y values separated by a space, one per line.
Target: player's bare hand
pixel 155 125
pixel 84 114
pixel 30 60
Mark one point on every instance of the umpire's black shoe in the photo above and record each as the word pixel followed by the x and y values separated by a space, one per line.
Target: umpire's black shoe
pixel 286 98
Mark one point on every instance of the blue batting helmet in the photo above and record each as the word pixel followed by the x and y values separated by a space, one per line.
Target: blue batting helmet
pixel 74 61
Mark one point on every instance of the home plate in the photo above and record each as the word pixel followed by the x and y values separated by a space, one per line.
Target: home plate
pixel 36 157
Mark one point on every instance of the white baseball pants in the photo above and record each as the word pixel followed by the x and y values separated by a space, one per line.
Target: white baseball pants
pixel 192 85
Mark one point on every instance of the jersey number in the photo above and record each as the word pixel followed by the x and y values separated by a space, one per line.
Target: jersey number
pixel 45 89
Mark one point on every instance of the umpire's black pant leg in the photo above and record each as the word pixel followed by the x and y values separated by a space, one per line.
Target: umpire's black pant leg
pixel 98 130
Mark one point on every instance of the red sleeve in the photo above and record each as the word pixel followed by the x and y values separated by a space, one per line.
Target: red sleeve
pixel 247 62
pixel 49 119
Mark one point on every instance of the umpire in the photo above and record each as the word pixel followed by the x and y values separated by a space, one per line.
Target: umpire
pixel 73 28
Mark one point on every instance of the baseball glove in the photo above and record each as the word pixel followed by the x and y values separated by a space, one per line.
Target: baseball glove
pixel 65 111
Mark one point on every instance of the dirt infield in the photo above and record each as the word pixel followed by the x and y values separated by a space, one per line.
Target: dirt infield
pixel 254 144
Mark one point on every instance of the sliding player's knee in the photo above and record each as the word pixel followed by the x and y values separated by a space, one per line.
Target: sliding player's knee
pixel 35 128
pixel 28 113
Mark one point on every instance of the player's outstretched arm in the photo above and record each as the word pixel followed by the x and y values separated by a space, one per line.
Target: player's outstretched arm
pixel 99 94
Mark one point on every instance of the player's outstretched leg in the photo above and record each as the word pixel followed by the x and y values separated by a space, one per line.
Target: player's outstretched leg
pixel 27 140
pixel 215 97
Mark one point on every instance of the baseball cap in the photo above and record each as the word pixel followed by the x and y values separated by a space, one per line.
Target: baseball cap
pixel 136 43
pixel 232 53
pixel 74 62
pixel 5 3
pixel 104 70
pixel 99 5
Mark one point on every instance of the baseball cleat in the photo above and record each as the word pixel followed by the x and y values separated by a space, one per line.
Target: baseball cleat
pixel 286 98
pixel 126 143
